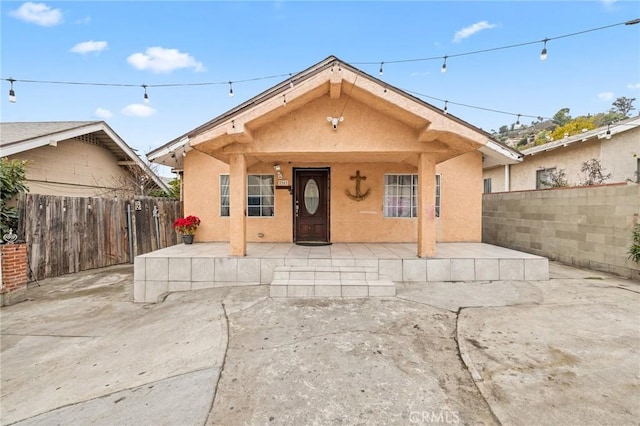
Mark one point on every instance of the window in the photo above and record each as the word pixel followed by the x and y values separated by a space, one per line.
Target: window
pixel 543 178
pixel 401 196
pixel 260 198
pixel 437 195
pixel 487 186
pixel 224 195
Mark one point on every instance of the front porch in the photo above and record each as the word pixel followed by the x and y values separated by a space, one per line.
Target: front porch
pixel 338 270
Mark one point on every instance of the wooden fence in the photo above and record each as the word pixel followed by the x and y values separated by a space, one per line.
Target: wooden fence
pixel 71 234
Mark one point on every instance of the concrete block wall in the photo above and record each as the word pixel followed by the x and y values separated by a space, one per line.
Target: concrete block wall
pixel 583 226
pixel 14 273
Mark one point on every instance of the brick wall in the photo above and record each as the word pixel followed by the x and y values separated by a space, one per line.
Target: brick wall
pixel 14 273
pixel 584 226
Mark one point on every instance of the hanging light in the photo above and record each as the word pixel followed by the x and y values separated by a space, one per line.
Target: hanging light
pixel 381 70
pixel 146 96
pixel 12 93
pixel 444 64
pixel 518 119
pixel 290 81
pixel 445 107
pixel 543 54
pixel 230 89
pixel 608 132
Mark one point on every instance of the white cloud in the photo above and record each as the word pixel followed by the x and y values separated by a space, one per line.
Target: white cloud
pixel 138 110
pixel 471 30
pixel 633 85
pixel 84 21
pixel 89 46
pixel 605 96
pixel 38 13
pixel 102 113
pixel 161 60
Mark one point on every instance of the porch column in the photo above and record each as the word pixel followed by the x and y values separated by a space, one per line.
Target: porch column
pixel 237 200
pixel 426 206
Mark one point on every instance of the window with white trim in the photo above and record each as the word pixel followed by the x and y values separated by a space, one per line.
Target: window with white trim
pixel 260 196
pixel 224 195
pixel 401 195
pixel 438 195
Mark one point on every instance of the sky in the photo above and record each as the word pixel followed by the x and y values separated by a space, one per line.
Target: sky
pixel 166 42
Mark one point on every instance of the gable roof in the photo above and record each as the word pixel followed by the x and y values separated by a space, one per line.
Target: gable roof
pixel 17 137
pixel 599 133
pixel 492 150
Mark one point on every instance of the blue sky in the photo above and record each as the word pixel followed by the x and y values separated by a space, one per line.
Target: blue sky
pixel 160 42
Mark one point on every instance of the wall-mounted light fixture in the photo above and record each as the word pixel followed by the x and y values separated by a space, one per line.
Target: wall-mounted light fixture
pixel 278 170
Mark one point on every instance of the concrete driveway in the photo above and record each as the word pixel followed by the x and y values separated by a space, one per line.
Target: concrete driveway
pixel 564 351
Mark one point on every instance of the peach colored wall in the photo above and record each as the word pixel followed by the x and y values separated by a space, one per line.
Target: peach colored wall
pixel 73 168
pixel 368 141
pixel 461 202
pixel 351 221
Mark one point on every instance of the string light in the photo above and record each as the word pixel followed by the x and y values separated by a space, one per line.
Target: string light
pixel 608 132
pixel 381 70
pixel 12 93
pixel 146 96
pixel 543 54
pixel 12 97
pixel 518 120
pixel 445 107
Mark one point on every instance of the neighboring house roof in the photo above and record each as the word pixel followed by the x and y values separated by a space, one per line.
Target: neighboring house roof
pixel 599 133
pixel 494 152
pixel 17 137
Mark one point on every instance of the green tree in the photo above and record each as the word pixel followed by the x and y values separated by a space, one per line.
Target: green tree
pixel 13 174
pixel 623 105
pixel 562 117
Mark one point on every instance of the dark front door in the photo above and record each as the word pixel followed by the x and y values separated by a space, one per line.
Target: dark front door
pixel 311 205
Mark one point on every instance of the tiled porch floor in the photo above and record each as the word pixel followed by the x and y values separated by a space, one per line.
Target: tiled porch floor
pixel 205 265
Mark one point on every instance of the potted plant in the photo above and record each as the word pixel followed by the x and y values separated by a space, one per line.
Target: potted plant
pixel 187 226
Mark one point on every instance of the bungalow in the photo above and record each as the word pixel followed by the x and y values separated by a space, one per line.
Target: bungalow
pixel 615 146
pixel 334 155
pixel 76 159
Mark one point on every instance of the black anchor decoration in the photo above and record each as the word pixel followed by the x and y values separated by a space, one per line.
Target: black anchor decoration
pixel 359 195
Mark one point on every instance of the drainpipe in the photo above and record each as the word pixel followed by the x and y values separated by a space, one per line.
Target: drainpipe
pixel 507 181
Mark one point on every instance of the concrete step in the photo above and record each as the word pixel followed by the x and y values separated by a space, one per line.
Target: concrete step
pixel 330 281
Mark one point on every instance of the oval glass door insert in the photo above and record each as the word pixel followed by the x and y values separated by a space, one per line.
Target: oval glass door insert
pixel 311 196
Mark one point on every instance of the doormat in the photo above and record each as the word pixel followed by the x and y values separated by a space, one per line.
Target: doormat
pixel 313 243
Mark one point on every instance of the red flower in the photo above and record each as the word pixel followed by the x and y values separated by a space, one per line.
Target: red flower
pixel 186 225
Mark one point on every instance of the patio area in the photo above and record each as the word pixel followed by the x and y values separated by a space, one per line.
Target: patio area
pixel 338 270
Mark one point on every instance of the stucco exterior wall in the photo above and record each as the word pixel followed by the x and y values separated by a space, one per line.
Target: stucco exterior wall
pixel 351 221
pixel 73 168
pixel 618 156
pixel 585 226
